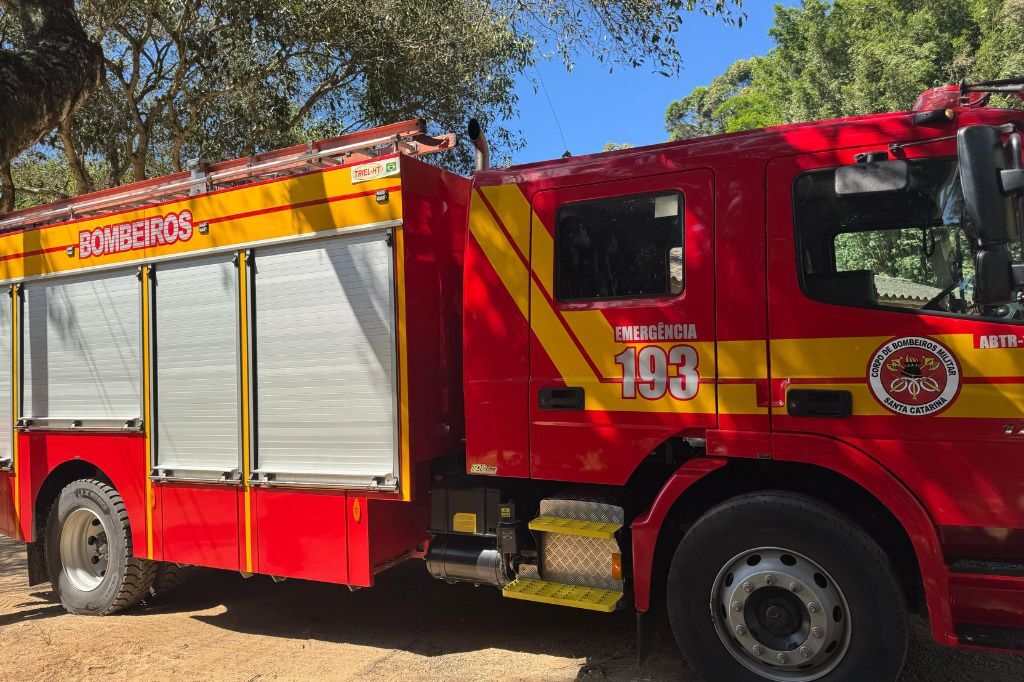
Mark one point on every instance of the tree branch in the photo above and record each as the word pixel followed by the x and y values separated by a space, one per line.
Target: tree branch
pixel 41 85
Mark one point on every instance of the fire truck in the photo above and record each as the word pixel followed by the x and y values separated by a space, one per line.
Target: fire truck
pixel 765 386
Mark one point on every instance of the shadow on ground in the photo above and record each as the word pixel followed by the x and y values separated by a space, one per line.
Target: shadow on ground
pixel 407 611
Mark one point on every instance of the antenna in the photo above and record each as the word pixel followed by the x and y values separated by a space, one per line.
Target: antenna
pixel 554 114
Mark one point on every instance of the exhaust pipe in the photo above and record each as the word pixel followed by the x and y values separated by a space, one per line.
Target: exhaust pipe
pixel 476 136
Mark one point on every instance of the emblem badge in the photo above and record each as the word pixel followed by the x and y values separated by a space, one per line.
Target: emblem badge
pixel 914 375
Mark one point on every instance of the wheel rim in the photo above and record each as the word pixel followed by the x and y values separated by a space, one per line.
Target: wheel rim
pixel 780 614
pixel 84 550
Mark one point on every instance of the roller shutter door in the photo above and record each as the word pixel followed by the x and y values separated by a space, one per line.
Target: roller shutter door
pixel 82 344
pixel 197 367
pixel 325 365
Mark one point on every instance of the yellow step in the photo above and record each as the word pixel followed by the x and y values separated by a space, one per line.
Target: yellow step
pixel 574 596
pixel 584 529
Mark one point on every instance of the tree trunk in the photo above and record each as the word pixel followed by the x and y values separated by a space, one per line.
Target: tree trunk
pixel 6 188
pixel 43 83
pixel 114 161
pixel 83 182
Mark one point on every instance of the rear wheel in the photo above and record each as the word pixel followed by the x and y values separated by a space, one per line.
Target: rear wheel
pixel 167 579
pixel 89 551
pixel 778 586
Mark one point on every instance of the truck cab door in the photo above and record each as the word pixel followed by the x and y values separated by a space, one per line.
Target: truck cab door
pixel 875 341
pixel 622 343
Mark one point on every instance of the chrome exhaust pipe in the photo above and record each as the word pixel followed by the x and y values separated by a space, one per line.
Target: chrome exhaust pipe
pixel 483 152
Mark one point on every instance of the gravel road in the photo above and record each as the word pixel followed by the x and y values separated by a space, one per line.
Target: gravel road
pixel 409 626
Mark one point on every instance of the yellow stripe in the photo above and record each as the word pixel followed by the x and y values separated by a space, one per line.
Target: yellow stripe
pixel 15 399
pixel 405 468
pixel 243 308
pixel 503 259
pixel 848 357
pixel 231 233
pixel 739 399
pixel 147 404
pixel 743 359
pixel 509 203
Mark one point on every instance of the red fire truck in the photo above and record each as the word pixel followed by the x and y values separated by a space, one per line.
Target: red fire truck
pixel 770 383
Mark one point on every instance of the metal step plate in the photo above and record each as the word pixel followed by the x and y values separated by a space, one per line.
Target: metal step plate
pixel 583 529
pixel 560 594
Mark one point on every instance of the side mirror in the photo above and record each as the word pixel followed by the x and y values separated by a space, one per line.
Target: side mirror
pixel 988 212
pixel 986 208
pixel 993 278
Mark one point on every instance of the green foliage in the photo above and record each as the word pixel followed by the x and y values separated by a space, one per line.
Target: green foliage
pixel 851 57
pixel 218 79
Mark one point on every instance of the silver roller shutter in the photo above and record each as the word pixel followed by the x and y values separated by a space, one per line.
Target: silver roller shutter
pixel 197 367
pixel 82 344
pixel 6 411
pixel 325 362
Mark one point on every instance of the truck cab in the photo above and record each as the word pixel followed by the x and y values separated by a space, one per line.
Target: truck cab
pixel 807 334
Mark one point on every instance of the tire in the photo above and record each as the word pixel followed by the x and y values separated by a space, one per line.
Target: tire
pixel 166 580
pixel 89 551
pixel 767 570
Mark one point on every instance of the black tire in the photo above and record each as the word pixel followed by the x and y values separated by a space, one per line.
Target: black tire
pixel 166 580
pixel 126 579
pixel 877 608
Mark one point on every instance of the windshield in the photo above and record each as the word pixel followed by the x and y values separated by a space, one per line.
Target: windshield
pixel 904 250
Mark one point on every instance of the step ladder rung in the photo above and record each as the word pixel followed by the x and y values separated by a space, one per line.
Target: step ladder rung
pixel 585 529
pixel 560 594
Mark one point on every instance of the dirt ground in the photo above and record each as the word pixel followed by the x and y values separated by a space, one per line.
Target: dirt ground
pixel 221 626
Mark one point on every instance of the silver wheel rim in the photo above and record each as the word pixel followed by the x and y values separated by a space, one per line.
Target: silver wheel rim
pixel 781 615
pixel 84 550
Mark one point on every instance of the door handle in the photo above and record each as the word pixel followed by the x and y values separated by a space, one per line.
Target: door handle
pixel 557 398
pixel 818 403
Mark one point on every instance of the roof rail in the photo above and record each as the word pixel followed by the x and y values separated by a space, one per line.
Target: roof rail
pixel 408 137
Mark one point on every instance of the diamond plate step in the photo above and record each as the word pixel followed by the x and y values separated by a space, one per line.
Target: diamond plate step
pixel 590 598
pixel 583 529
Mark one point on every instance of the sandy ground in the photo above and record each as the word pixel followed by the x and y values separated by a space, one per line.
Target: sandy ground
pixel 221 626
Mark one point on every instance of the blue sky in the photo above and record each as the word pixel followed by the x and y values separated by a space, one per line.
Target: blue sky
pixel 628 105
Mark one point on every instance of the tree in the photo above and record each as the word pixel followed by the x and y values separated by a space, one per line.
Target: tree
pixel 46 69
pixel 852 57
pixel 223 78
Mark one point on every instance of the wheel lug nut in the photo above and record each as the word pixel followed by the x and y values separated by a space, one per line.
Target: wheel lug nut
pixel 805 652
pixel 795 587
pixel 769 579
pixel 758 650
pixel 816 633
pixel 782 658
pixel 737 606
pixel 748 587
pixel 741 630
pixel 813 607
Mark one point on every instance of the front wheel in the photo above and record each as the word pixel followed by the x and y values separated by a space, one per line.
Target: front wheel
pixel 778 586
pixel 89 551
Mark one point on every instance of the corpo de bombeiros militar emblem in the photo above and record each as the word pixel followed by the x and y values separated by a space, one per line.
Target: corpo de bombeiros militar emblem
pixel 914 375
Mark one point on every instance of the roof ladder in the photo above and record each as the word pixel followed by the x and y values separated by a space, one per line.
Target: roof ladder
pixel 408 137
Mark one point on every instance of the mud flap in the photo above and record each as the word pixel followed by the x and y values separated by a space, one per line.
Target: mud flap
pixel 650 629
pixel 37 573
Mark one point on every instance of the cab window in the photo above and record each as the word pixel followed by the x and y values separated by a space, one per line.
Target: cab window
pixel 904 250
pixel 622 247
